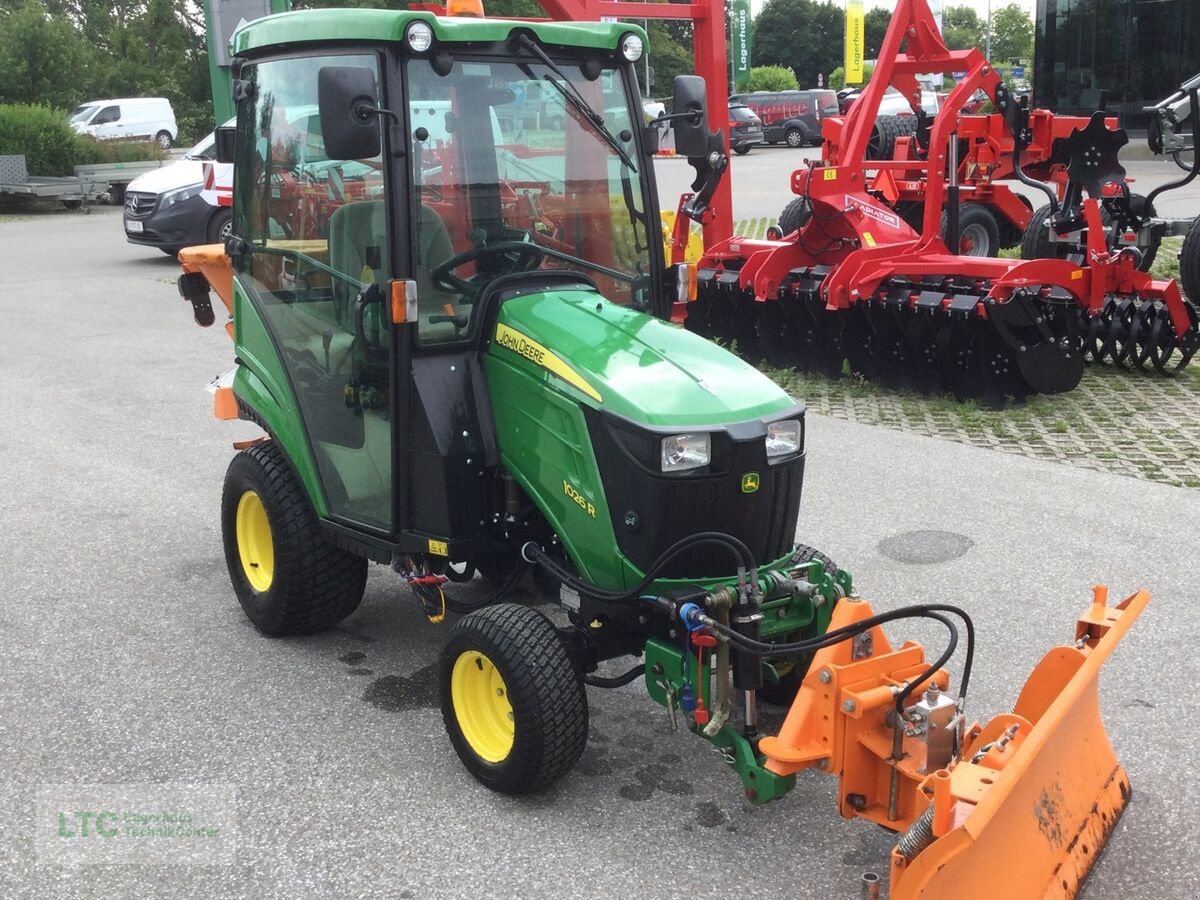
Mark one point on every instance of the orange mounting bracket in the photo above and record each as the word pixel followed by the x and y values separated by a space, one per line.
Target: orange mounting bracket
pixel 1040 785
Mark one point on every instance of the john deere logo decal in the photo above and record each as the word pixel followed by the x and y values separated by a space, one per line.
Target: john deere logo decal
pixel 749 482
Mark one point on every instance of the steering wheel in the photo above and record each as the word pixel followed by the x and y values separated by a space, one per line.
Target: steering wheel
pixel 522 255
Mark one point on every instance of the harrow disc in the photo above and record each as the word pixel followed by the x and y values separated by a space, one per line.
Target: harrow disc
pixel 1139 334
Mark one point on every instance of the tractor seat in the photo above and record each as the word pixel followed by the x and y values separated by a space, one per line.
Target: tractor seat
pixel 358 248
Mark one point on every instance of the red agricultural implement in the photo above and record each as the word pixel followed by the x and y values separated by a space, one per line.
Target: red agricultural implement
pixel 992 214
pixel 856 286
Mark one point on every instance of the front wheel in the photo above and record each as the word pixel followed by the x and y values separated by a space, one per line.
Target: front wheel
pixel 795 137
pixel 287 577
pixel 220 226
pixel 512 700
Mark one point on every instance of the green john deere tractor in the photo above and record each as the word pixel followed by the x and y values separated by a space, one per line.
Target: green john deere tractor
pixel 450 303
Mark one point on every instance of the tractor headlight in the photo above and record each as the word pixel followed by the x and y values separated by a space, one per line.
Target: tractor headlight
pixel 186 193
pixel 420 37
pixel 681 452
pixel 783 438
pixel 631 47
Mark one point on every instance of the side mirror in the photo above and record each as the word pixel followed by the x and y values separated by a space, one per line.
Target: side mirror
pixel 650 139
pixel 226 135
pixel 346 101
pixel 691 128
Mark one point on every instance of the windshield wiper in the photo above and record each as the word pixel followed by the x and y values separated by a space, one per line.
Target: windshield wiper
pixel 575 99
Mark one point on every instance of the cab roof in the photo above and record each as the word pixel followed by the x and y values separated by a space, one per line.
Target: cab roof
pixel 375 25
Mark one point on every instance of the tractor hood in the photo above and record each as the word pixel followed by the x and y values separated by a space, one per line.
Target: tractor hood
pixel 629 363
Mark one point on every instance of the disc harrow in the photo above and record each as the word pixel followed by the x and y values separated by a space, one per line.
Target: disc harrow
pixel 1139 334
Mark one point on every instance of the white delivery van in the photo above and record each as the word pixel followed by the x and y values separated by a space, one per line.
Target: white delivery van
pixel 148 118
pixel 170 208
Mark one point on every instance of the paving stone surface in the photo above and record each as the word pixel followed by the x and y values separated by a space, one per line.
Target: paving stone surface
pixel 1130 423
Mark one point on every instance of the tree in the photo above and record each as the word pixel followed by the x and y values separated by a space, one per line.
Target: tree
pixel 803 35
pixel 837 78
pixel 41 57
pixel 877 23
pixel 1012 34
pixel 962 28
pixel 771 78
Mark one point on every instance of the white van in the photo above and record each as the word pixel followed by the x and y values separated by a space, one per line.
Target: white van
pixel 185 203
pixel 130 118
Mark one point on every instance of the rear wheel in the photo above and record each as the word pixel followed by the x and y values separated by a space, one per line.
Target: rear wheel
pixel 512 700
pixel 742 149
pixel 1035 242
pixel 287 577
pixel 795 137
pixel 882 143
pixel 978 232
pixel 163 139
pixel 794 215
pixel 1189 263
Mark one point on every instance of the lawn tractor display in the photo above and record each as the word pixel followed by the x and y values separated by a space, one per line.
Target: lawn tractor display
pixel 462 364
pixel 855 287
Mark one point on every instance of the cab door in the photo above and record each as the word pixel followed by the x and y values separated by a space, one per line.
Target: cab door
pixel 315 271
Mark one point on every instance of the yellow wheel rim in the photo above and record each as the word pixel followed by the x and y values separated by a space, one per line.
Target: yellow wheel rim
pixel 255 547
pixel 481 706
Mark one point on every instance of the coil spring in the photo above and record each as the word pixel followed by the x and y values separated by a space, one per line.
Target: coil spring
pixel 918 836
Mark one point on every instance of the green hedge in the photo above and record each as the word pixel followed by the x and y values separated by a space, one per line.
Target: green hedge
pixel 50 146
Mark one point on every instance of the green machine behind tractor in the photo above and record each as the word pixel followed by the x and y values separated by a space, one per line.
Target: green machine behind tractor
pixel 451 320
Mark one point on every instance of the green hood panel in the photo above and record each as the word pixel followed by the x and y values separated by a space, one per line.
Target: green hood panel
pixel 639 367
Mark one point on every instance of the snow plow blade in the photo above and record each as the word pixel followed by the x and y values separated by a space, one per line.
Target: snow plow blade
pixel 1037 792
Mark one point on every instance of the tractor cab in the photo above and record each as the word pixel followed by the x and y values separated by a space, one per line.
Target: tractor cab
pixel 389 196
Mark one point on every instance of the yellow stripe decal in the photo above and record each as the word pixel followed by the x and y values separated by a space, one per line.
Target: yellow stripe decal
pixel 513 340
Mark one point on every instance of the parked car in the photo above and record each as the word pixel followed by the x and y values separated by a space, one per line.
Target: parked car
pixel 745 129
pixel 170 209
pixel 793 117
pixel 128 118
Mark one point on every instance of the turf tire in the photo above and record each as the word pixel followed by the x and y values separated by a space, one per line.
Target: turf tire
pixel 314 584
pixel 549 703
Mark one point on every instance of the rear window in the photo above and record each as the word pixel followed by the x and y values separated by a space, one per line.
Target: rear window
pixel 825 99
pixel 741 114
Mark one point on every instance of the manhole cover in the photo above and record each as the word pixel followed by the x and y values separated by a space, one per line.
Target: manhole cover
pixel 925 546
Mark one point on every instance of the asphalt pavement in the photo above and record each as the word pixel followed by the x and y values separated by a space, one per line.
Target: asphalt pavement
pixel 128 661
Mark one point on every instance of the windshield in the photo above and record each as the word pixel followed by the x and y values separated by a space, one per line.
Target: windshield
pixel 513 175
pixel 82 113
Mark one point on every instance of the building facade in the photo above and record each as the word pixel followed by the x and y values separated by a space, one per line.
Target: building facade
pixel 1134 51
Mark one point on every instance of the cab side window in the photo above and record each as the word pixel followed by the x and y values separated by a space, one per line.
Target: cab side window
pixel 107 115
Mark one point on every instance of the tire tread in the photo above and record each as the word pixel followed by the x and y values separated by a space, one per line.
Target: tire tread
pixel 318 583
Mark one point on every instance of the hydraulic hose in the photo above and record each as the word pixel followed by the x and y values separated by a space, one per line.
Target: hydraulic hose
pixel 927 611
pixel 617 681
pixel 501 593
pixel 531 552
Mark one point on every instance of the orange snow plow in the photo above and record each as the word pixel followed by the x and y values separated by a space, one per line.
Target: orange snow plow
pixel 1040 787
